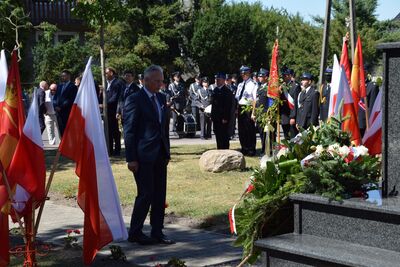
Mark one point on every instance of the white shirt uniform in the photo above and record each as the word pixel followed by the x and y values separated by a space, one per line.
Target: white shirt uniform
pixel 250 92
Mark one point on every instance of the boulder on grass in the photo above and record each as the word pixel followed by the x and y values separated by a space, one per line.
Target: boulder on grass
pixel 222 160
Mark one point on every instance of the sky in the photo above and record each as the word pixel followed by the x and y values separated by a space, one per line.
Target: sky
pixel 387 9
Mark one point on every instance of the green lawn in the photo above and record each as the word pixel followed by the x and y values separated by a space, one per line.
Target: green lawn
pixel 191 192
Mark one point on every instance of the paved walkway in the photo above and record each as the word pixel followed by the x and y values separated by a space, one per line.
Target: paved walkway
pixel 194 246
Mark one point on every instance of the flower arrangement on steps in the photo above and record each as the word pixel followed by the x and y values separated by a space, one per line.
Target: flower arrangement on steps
pixel 319 160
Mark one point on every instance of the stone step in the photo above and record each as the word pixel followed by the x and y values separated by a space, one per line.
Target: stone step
pixel 291 250
pixel 354 220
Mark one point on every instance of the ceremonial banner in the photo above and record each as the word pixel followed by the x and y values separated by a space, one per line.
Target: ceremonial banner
pixel 84 142
pixel 12 118
pixel 372 138
pixel 351 124
pixel 344 61
pixel 273 82
pixel 334 86
pixel 358 77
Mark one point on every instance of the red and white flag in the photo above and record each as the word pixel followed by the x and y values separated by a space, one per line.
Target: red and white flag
pixel 27 169
pixel 290 100
pixel 372 138
pixel 344 95
pixel 3 75
pixel 84 142
pixel 344 60
pixel 334 86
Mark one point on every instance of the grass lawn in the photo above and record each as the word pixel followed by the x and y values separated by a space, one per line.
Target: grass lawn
pixel 191 192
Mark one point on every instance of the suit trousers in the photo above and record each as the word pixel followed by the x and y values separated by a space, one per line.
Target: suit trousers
pixel 221 131
pixel 51 126
pixel 247 132
pixel 205 125
pixel 151 182
pixel 114 135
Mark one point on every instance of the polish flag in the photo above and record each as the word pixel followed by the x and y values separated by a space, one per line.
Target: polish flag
pixel 334 86
pixel 376 108
pixel 344 95
pixel 290 100
pixel 3 75
pixel 84 142
pixel 372 138
pixel 27 169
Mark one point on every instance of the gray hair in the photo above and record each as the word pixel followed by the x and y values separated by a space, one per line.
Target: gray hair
pixel 152 68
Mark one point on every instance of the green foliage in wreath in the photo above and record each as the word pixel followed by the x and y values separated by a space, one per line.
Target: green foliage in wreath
pixel 328 172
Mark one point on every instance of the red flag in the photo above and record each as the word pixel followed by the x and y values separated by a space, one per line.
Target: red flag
pixel 12 118
pixel 344 60
pixel 273 83
pixel 84 142
pixel 358 77
pixel 344 95
pixel 27 169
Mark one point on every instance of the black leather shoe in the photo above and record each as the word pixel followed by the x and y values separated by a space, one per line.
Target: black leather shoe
pixel 142 239
pixel 163 239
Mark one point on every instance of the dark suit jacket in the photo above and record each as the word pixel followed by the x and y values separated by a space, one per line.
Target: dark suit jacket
pixel 308 111
pixel 133 88
pixel 40 97
pixel 114 92
pixel 221 104
pixel 326 93
pixel 64 99
pixel 285 112
pixel 145 137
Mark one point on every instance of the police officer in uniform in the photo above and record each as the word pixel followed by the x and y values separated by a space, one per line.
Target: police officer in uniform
pixel 307 104
pixel 264 101
pixel 289 92
pixel 177 90
pixel 203 102
pixel 245 95
pixel 194 98
pixel 325 95
pixel 221 111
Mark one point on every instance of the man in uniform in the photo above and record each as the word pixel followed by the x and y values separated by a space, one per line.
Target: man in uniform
pixel 307 104
pixel 265 102
pixel 245 95
pixel 290 90
pixel 221 111
pixel 178 98
pixel 325 95
pixel 194 98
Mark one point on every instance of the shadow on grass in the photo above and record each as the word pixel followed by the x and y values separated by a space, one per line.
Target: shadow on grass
pixel 65 163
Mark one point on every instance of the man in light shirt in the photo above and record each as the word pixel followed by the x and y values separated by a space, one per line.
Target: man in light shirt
pixel 50 118
pixel 246 94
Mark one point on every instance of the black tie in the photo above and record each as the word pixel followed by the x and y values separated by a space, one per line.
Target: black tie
pixel 241 93
pixel 153 101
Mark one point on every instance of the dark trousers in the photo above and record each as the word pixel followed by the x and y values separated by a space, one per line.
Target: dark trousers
pixel 196 115
pixel 247 132
pixel 114 135
pixel 151 182
pixel 177 123
pixel 205 125
pixel 289 131
pixel 221 131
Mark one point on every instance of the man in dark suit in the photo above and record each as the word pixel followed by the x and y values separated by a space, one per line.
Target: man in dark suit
pixel 40 96
pixel 222 100
pixel 290 91
pixel 147 154
pixel 64 99
pixel 130 88
pixel 307 104
pixel 114 89
pixel 325 95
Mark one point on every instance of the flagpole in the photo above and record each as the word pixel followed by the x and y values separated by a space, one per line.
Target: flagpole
pixel 366 112
pixel 53 169
pixel 11 200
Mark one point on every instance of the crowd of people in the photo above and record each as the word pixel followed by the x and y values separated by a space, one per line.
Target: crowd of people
pixel 218 105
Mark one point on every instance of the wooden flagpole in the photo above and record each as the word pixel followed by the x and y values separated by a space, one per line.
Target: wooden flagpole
pixel 53 169
pixel 366 113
